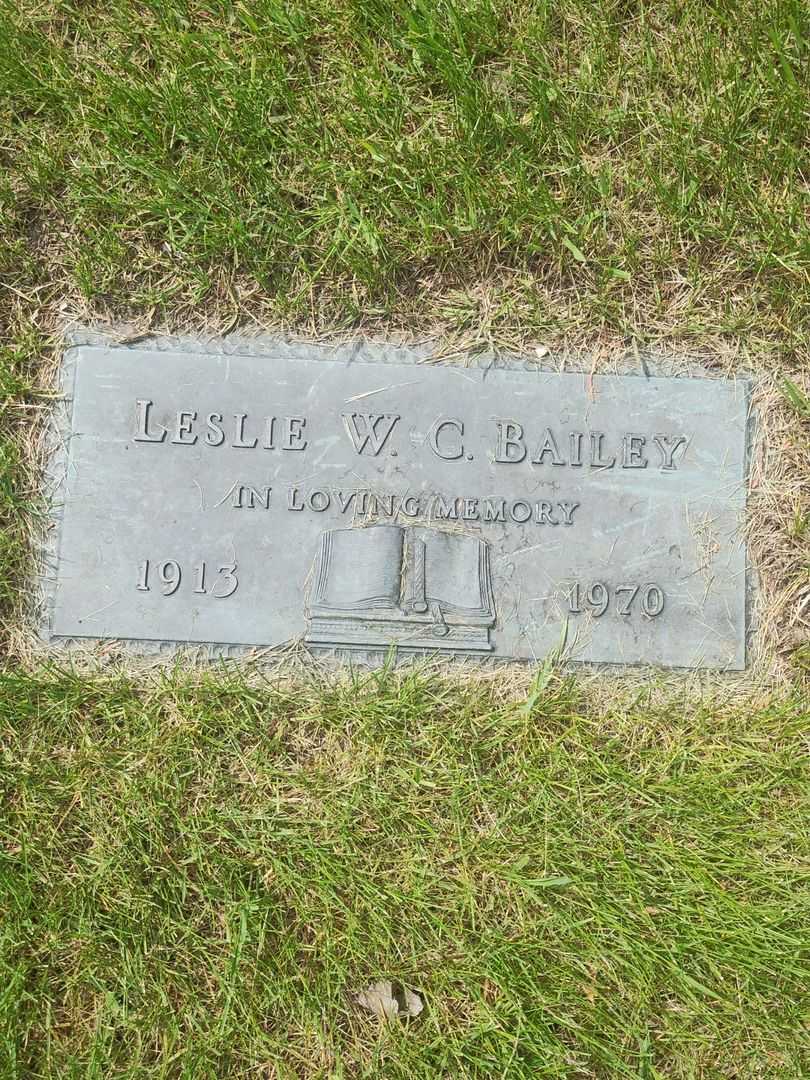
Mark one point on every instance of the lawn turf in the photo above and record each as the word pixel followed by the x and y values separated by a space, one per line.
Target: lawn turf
pixel 625 167
pixel 199 876
pixel 198 873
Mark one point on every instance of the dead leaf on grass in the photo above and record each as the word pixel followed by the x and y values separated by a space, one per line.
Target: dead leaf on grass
pixel 388 1001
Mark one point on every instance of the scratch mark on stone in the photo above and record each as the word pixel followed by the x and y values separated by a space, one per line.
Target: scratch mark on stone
pixel 98 611
pixel 227 494
pixel 379 390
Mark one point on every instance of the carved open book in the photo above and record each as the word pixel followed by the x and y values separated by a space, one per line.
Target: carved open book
pixel 406 585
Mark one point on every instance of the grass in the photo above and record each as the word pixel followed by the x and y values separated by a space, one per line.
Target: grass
pixel 641 168
pixel 200 876
pixel 200 870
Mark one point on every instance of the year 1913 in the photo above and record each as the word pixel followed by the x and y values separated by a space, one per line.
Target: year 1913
pixel 219 582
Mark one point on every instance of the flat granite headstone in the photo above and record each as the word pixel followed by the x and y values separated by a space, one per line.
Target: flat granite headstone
pixel 257 494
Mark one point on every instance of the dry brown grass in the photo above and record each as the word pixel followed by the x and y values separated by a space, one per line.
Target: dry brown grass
pixel 778 496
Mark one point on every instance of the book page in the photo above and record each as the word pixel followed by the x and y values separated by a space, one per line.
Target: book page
pixel 363 568
pixel 453 571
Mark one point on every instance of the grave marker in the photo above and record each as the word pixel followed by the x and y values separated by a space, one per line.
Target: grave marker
pixel 356 498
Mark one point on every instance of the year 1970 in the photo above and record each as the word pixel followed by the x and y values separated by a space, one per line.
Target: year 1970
pixel 597 598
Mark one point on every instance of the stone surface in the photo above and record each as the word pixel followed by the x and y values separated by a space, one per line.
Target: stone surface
pixel 354 498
